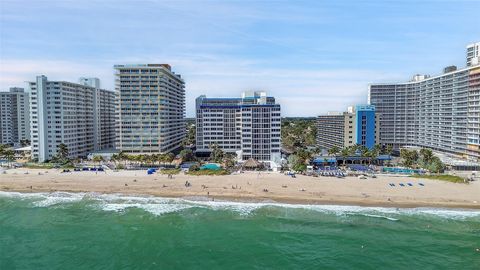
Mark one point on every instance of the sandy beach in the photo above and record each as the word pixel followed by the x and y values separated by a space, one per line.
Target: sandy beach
pixel 252 186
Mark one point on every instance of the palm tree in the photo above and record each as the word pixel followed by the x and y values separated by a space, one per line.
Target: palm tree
pixel 410 158
pixel 376 150
pixel 217 153
pixel 334 150
pixel 388 150
pixel 427 155
pixel 62 154
pixel 345 152
pixel 98 159
pixel 114 158
pixel 9 155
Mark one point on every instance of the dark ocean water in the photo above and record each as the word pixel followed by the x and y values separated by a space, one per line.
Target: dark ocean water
pixel 92 231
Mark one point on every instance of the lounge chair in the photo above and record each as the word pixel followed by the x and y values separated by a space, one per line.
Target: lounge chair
pixel 421 184
pixel 410 184
pixel 401 184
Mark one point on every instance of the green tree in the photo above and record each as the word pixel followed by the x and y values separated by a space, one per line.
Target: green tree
pixel 9 155
pixel 230 160
pixel 122 156
pixel 98 159
pixel 436 165
pixel 115 158
pixel 426 155
pixel 169 157
pixel 376 150
pixel 187 155
pixel 388 150
pixel 409 157
pixel 334 150
pixel 362 150
pixel 62 154
pixel 190 138
pixel 216 154
pixel 296 163
pixel 3 148
pixel 345 152
pixel 298 133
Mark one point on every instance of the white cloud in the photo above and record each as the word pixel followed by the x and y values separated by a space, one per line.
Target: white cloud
pixel 301 92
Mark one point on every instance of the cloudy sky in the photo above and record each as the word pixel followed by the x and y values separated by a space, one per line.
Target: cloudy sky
pixel 314 56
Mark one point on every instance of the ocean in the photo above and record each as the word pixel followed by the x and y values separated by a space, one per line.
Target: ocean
pixel 98 231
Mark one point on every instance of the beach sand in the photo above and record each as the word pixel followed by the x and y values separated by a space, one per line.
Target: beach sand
pixel 251 186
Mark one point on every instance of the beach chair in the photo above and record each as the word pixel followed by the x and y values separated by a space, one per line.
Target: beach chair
pixel 401 184
pixel 410 184
pixel 421 184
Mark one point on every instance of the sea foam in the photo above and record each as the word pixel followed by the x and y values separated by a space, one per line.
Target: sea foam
pixel 161 205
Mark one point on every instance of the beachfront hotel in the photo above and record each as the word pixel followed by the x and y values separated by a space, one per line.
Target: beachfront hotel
pixel 358 125
pixel 150 108
pixel 79 116
pixel 14 116
pixel 440 112
pixel 473 54
pixel 248 126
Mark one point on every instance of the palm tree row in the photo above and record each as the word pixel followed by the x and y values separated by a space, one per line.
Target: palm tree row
pixel 361 150
pixel 143 158
pixel 7 153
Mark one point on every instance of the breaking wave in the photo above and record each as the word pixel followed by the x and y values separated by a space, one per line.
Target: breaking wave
pixel 160 206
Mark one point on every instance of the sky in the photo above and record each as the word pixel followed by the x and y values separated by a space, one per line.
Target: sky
pixel 313 56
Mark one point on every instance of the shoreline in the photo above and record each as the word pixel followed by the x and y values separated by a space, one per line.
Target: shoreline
pixel 280 189
pixel 267 200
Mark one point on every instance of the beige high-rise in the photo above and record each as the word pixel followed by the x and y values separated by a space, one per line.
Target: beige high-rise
pixel 150 108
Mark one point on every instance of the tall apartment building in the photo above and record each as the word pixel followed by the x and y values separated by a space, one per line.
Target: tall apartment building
pixel 150 110
pixel 473 54
pixel 440 112
pixel 248 126
pixel 93 82
pixel 80 116
pixel 14 116
pixel 358 125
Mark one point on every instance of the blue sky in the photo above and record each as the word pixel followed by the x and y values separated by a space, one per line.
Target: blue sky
pixel 314 56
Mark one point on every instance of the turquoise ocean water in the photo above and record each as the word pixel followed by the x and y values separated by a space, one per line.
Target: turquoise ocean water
pixel 93 231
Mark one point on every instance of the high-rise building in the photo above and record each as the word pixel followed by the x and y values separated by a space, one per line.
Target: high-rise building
pixel 248 126
pixel 440 112
pixel 358 125
pixel 79 116
pixel 93 82
pixel 150 108
pixel 14 117
pixel 473 54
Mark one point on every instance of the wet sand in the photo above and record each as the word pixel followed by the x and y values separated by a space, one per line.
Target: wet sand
pixel 251 186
